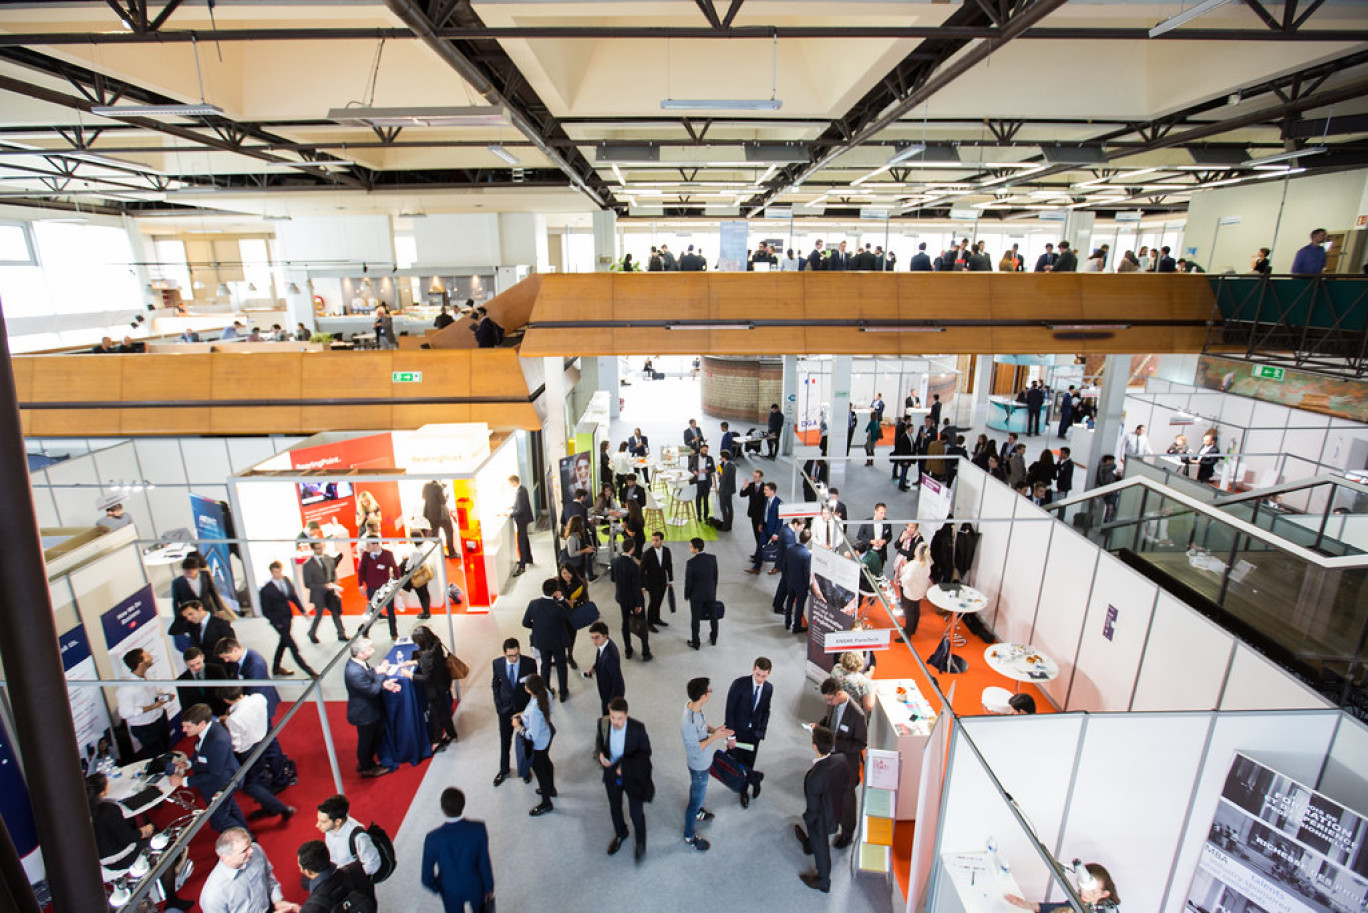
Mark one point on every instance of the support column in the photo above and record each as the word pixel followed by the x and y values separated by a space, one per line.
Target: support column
pixel 554 434
pixel 605 240
pixel 983 388
pixel 1111 413
pixel 839 419
pixel 43 728
pixel 608 380
pixel 788 402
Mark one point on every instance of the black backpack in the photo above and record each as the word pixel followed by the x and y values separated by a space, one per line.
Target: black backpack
pixel 383 845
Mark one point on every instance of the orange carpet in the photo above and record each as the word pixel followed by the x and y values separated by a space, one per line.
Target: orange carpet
pixel 354 600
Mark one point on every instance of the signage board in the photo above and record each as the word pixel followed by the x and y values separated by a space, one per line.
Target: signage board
pixel 406 377
pixel 1268 372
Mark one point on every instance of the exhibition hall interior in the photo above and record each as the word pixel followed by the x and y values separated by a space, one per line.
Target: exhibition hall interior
pixel 901 456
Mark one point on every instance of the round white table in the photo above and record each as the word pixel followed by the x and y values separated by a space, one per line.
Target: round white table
pixel 127 781
pixel 964 601
pixel 1021 663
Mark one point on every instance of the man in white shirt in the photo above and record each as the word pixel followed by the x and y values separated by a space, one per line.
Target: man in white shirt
pixel 346 839
pixel 1137 443
pixel 247 722
pixel 243 881
pixel 143 707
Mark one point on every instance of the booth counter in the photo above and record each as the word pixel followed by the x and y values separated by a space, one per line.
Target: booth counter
pixel 902 720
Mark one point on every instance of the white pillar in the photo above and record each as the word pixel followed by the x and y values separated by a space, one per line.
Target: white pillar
pixel 983 388
pixel 605 240
pixel 788 402
pixel 554 435
pixel 1111 412
pixel 839 418
pixel 608 380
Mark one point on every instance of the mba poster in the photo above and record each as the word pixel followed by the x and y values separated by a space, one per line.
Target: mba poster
pixel 211 523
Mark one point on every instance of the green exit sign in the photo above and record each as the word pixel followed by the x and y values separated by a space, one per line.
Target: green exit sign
pixel 406 377
pixel 1268 372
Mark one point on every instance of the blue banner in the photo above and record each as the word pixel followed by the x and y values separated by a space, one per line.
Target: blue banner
pixel 14 800
pixel 211 522
pixel 731 253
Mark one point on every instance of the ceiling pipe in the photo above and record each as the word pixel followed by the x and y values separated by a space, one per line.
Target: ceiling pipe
pixel 413 16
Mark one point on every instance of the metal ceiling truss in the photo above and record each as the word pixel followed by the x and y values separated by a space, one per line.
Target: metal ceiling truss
pixel 1318 324
pixel 135 14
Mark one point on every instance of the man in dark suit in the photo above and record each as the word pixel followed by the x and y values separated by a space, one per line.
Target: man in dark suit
pixel 865 260
pixel 320 579
pixel 631 491
pixel 365 709
pixel 1046 261
pixel 1067 261
pixel 839 259
pixel 630 595
pixel 797 580
pixel 510 697
pixel 920 262
pixel 607 668
pixel 769 529
pixel 1064 473
pixel 330 885
pixel 522 516
pixel 788 538
pixel 838 507
pixel 935 410
pixel 848 724
pixel 241 663
pixel 638 445
pixel 826 786
pixel 700 589
pixel 748 713
pixel 754 493
pixel 657 576
pixel 693 436
pixel 877 532
pixel 210 767
pixel 549 620
pixel 774 431
pixel 726 489
pixel 277 596
pixel 1035 402
pixel 624 752
pixel 456 859
pixel 728 442
pixel 204 630
pixel 701 469
pixel 198 669
pixel 195 584
pixel 690 262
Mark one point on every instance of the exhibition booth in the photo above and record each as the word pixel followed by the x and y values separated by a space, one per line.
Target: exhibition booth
pixel 396 485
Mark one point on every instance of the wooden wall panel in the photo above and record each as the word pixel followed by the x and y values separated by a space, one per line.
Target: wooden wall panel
pixel 416 416
pixel 497 373
pixel 661 296
pixel 78 378
pixel 253 420
pixel 344 418
pixel 944 296
pixel 74 422
pixel 169 377
pixel 587 296
pixel 23 378
pixel 1032 296
pixel 349 374
pixel 173 421
pixel 261 376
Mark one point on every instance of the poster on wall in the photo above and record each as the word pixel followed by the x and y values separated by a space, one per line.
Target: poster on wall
pixel 133 624
pixel 211 527
pixel 15 809
pixel 833 599
pixel 1281 847
pixel 89 711
pixel 935 500
pixel 576 471
pixel 366 504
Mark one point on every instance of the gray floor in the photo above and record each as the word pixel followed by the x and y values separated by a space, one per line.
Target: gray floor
pixel 551 858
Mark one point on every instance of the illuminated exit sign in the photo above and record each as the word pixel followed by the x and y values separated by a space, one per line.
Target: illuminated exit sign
pixel 406 377
pixel 1268 372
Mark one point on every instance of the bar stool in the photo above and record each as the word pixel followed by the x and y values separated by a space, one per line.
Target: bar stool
pixel 682 511
pixel 996 700
pixel 654 514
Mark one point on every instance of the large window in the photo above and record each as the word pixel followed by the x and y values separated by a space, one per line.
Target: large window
pixel 16 245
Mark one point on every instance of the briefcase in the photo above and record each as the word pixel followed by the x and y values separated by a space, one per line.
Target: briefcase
pixel 728 771
pixel 670 593
pixel 717 610
pixel 637 625
pixel 770 552
pixel 583 615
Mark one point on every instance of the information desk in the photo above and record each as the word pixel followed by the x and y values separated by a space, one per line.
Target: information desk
pixel 978 885
pixel 1006 414
pixel 406 711
pixel 902 721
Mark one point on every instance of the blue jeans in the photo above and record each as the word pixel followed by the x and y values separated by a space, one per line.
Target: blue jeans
pixel 698 789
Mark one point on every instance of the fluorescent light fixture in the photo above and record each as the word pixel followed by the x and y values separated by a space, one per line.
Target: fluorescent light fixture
pixel 501 152
pixel 1284 156
pixel 888 329
pixel 709 326
pixel 411 116
pixel 1186 16
pixel 617 173
pixel 285 166
pixel 906 153
pixel 193 110
pixel 1088 326
pixel 721 104
pixel 1073 155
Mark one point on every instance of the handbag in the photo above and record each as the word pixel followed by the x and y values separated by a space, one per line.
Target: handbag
pixel 716 610
pixel 583 615
pixel 522 750
pixel 422 576
pixel 769 552
pixel 455 668
pixel 670 593
pixel 945 661
pixel 637 624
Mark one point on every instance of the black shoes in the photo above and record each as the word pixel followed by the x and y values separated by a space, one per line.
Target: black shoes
pixel 647 657
pixel 573 665
pixel 663 624
pixel 565 695
pixel 802 839
pixel 539 810
pixel 615 845
pixel 518 571
pixel 640 853
pixel 553 795
pixel 841 842
pixel 313 638
pixel 713 641
pixel 698 843
pixel 812 880
pixel 695 644
pixel 745 799
pixel 500 777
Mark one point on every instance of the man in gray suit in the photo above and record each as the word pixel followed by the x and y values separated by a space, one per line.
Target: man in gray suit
pixel 320 579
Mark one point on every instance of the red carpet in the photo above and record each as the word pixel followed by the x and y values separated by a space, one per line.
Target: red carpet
pixel 384 800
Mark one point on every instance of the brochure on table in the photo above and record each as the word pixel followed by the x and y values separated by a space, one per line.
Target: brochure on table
pixel 375 480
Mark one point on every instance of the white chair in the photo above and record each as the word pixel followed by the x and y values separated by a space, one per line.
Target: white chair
pixel 654 514
pixel 682 511
pixel 997 701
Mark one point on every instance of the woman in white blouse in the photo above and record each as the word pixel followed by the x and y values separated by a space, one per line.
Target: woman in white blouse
pixel 913 583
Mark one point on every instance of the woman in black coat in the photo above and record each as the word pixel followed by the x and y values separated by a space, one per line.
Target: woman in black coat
pixel 432 672
pixel 119 841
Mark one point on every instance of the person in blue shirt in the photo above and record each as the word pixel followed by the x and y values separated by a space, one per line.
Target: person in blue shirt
pixel 1310 260
pixel 534 724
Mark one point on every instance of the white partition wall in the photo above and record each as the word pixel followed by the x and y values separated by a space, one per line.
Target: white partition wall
pixel 1255 683
pixel 1064 596
pixel 1023 571
pixel 995 510
pixel 1113 638
pixel 1185 661
pixel 1342 774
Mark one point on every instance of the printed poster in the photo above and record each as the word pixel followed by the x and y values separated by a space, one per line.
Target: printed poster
pixel 211 528
pixel 833 601
pixel 1276 846
pixel 89 711
pixel 132 624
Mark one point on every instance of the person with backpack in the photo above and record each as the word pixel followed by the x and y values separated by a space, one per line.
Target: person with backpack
pixel 348 841
pixel 332 888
